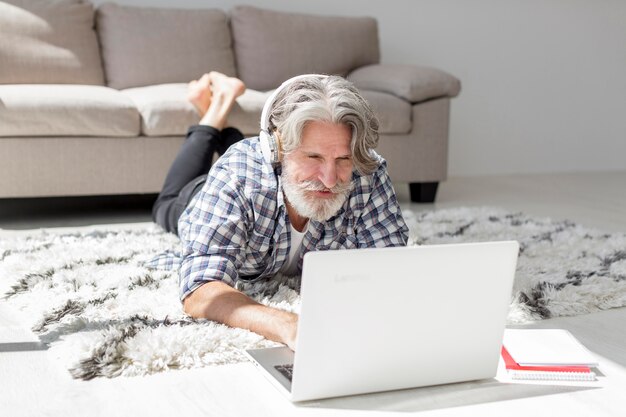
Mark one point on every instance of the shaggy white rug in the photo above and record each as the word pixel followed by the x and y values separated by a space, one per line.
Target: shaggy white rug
pixel 104 314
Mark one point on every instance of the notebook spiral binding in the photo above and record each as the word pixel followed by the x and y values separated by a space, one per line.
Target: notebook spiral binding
pixel 552 376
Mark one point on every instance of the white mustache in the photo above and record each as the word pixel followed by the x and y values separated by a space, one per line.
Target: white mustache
pixel 339 188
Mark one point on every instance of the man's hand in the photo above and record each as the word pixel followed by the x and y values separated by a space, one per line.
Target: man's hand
pixel 220 302
pixel 291 331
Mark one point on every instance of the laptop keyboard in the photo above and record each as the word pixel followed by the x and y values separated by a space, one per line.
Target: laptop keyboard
pixel 286 370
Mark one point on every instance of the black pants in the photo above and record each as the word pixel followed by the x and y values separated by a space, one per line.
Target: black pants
pixel 188 172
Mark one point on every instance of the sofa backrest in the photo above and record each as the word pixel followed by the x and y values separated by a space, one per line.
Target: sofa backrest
pixel 58 42
pixel 145 46
pixel 48 42
pixel 271 46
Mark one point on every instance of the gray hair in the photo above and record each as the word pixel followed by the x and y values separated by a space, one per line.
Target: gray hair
pixel 329 99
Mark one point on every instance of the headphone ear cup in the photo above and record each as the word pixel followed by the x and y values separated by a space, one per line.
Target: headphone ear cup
pixel 269 148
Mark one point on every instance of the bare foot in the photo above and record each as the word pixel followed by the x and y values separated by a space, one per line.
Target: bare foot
pixel 228 85
pixel 224 92
pixel 199 94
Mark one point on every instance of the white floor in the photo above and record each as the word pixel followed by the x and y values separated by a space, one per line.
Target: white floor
pixel 595 199
pixel 33 383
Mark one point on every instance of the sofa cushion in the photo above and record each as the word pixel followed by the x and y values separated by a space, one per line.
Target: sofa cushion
pixel 271 47
pixel 165 110
pixel 48 42
pixel 394 114
pixel 146 46
pixel 65 110
pixel 410 82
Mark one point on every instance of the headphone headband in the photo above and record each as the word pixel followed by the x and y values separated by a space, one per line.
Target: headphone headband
pixel 269 103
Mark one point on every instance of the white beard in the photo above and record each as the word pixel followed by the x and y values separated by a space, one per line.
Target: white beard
pixel 308 206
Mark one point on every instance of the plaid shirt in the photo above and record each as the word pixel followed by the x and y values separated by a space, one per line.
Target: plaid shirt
pixel 237 227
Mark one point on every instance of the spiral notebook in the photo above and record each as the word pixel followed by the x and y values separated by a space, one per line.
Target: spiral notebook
pixel 546 354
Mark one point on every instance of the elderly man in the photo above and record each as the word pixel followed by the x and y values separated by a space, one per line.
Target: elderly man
pixel 310 182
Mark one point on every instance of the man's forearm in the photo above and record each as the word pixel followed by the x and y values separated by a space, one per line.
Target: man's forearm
pixel 219 302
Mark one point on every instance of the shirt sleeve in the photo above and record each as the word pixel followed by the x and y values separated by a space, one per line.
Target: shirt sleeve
pixel 213 233
pixel 381 223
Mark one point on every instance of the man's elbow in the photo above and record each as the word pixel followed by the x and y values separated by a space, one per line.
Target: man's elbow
pixel 193 303
pixel 188 306
pixel 198 303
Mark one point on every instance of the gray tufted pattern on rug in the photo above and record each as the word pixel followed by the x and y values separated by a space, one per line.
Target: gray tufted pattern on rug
pixel 103 313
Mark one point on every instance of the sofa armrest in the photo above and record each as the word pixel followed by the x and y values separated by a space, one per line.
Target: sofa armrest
pixel 409 82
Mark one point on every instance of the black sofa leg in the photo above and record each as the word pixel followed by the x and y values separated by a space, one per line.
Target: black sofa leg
pixel 423 192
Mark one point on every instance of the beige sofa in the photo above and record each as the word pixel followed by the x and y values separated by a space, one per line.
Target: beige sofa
pixel 92 102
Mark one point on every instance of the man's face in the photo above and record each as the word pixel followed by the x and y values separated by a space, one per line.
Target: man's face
pixel 317 175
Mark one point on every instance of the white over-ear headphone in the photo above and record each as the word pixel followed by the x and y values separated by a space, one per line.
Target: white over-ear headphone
pixel 270 144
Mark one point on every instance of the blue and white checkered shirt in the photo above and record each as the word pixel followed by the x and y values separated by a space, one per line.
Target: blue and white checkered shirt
pixel 237 227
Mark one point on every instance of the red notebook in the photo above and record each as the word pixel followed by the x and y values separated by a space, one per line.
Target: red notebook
pixel 563 373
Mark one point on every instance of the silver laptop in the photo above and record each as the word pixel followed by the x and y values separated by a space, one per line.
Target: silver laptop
pixel 393 318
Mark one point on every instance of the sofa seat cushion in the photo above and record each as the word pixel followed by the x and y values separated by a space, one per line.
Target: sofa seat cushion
pixel 144 46
pixel 66 110
pixel 165 110
pixel 271 46
pixel 394 114
pixel 48 42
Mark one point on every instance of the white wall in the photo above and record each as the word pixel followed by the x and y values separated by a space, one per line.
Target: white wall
pixel 544 81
